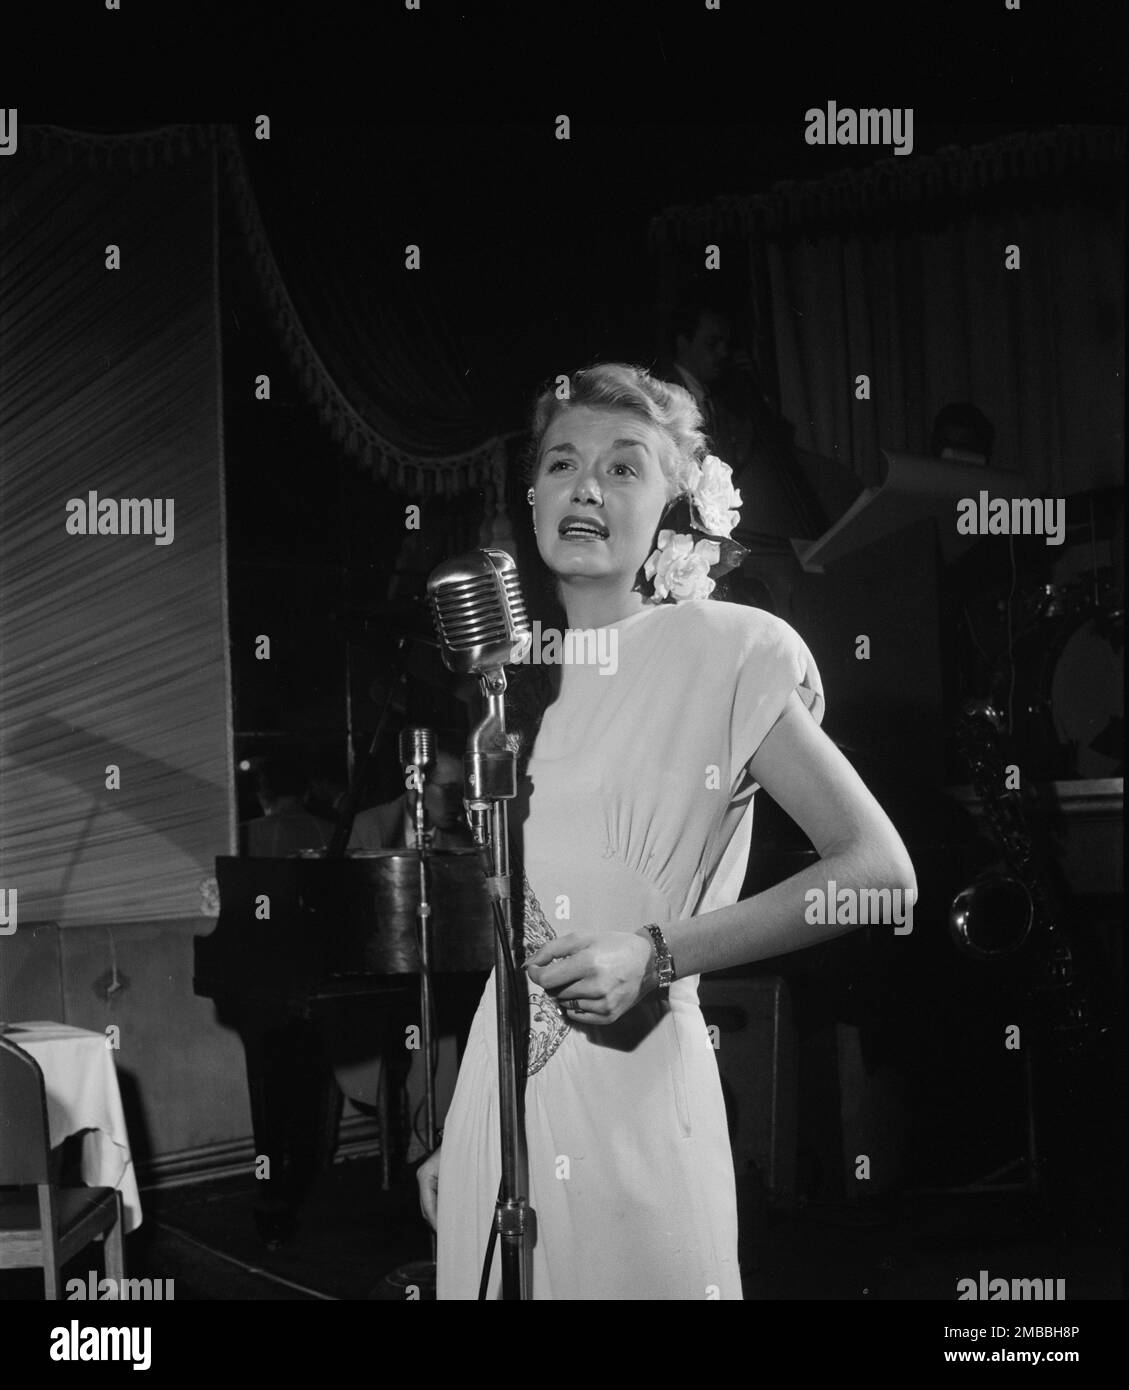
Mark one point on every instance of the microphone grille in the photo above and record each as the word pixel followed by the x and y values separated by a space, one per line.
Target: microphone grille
pixel 468 611
pixel 465 615
pixel 417 747
pixel 516 598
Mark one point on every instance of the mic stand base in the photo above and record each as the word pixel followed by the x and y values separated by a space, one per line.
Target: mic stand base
pixel 410 1282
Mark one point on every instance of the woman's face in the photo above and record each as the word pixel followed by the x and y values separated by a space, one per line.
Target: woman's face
pixel 599 493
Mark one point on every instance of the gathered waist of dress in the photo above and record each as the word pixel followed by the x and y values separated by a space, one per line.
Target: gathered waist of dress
pixel 601 894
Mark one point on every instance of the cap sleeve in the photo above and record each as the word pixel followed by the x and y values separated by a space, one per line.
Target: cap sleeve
pixel 773 661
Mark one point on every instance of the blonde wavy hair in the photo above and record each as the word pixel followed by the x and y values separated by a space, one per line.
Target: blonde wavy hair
pixel 671 409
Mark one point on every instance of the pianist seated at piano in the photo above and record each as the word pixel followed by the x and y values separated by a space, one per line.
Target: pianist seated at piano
pixel 392 824
pixel 285 827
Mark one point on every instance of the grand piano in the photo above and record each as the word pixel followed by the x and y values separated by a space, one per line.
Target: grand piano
pixel 309 951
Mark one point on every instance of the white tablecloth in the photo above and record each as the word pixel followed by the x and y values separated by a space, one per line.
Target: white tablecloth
pixel 83 1096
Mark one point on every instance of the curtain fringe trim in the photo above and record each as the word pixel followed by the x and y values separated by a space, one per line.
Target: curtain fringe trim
pixel 403 471
pixel 166 145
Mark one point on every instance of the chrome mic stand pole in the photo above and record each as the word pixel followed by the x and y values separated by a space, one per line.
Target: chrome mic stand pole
pixel 421 1273
pixel 423 916
pixel 491 775
pixel 423 919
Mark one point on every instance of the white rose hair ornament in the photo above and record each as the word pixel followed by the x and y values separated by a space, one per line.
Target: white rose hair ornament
pixel 694 547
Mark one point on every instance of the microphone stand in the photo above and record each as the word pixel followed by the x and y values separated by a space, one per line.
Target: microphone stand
pixel 423 918
pixel 420 1274
pixel 491 781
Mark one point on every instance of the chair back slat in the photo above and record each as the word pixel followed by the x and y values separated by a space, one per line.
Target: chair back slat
pixel 24 1143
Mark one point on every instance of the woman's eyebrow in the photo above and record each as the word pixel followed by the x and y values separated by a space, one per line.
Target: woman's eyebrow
pixel 616 444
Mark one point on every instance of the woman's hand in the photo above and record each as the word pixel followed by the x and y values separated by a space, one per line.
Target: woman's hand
pixel 427 1175
pixel 608 972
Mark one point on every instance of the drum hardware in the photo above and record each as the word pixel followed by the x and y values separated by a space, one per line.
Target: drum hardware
pixel 1053 648
pixel 1086 687
pixel 1051 644
pixel 1061 678
pixel 1045 601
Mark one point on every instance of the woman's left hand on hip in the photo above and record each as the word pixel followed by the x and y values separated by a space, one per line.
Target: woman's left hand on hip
pixel 594 976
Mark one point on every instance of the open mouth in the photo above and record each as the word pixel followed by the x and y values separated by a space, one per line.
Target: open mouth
pixel 575 528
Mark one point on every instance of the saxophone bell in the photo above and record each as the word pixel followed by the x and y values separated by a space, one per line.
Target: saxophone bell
pixel 992 917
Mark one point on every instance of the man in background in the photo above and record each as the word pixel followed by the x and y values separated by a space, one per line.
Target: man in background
pixel 285 827
pixel 963 433
pixel 744 428
pixel 391 825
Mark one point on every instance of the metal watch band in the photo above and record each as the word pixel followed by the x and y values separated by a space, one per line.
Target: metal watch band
pixel 664 961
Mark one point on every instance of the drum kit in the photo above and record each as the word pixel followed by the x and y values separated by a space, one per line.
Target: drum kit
pixel 1056 652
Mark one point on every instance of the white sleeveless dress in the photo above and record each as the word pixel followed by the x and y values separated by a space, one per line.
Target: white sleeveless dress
pixel 640 811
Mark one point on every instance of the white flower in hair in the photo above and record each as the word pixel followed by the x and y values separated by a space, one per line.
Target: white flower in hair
pixel 713 498
pixel 680 569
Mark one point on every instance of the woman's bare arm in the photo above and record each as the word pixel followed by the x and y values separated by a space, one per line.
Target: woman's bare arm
pixel 803 771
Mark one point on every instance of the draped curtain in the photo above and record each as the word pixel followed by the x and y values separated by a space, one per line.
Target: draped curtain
pixel 113 651
pixel 364 334
pixel 897 273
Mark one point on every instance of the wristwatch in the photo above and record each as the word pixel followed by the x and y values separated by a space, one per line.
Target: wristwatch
pixel 664 961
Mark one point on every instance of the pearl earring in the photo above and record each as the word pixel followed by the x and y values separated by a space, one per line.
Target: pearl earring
pixel 529 497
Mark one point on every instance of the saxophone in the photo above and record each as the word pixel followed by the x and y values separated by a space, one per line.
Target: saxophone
pixel 1003 912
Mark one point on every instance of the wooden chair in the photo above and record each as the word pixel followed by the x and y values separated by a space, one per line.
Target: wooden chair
pixel 47 1226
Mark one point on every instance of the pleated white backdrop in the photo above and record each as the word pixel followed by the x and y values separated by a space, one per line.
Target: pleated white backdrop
pixel 113 649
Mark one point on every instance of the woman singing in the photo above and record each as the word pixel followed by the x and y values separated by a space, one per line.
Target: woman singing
pixel 635 841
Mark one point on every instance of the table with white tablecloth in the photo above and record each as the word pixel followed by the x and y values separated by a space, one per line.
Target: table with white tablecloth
pixel 83 1097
